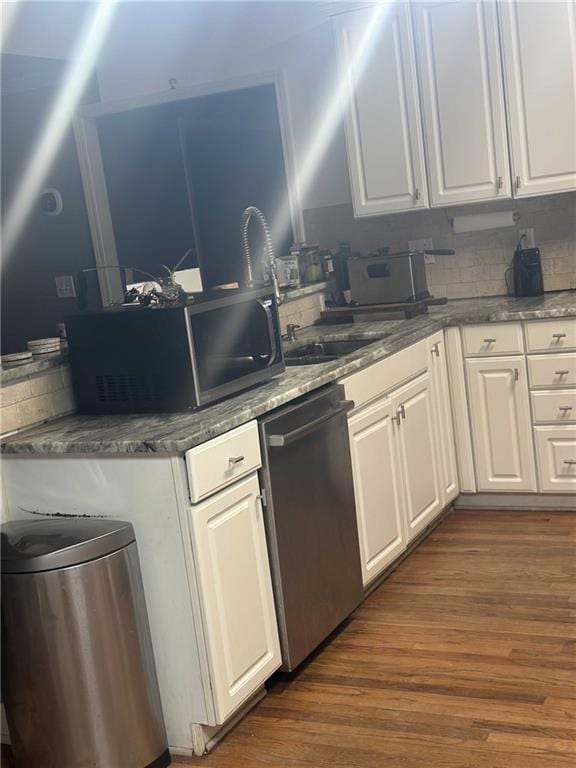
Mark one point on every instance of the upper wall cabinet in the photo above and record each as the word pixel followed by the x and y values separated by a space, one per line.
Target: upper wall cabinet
pixel 539 47
pixel 383 125
pixel 462 101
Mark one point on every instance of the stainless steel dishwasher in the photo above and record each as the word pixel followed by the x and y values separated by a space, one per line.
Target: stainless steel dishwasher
pixel 310 520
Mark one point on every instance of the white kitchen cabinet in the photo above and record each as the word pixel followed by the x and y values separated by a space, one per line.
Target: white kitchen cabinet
pixel 417 453
pixel 236 596
pixel 501 425
pixel 539 52
pixel 556 447
pixel 377 487
pixel 383 125
pixel 462 101
pixel 444 429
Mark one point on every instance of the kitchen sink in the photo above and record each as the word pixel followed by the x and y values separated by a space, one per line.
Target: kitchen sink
pixel 316 352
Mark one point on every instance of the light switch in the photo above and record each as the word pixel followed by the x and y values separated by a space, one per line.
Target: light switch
pixel 65 288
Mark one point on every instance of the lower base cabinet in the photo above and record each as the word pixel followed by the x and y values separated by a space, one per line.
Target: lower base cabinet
pixel 395 469
pixel 556 449
pixel 417 454
pixel 377 487
pixel 501 423
pixel 237 602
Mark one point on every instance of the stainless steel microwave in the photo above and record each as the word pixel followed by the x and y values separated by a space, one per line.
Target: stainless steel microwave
pixel 167 359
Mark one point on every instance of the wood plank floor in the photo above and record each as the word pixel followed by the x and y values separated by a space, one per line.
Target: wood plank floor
pixel 464 658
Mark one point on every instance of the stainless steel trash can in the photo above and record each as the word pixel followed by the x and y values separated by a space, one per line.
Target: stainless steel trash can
pixel 78 674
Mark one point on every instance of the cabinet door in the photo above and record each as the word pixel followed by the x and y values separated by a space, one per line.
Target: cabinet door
pixel 236 593
pixel 501 428
pixel 383 131
pixel 539 48
pixel 462 101
pixel 556 448
pixel 448 470
pixel 377 488
pixel 417 453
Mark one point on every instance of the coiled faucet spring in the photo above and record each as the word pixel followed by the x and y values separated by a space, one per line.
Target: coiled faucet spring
pixel 256 213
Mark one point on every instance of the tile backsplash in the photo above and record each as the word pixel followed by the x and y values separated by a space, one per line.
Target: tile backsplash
pixel 481 258
pixel 303 311
pixel 35 399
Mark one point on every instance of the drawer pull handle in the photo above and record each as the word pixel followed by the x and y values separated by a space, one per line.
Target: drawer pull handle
pixel 562 373
pixel 558 336
pixel 565 408
pixel 570 462
pixel 516 374
pixel 489 341
pixel 233 460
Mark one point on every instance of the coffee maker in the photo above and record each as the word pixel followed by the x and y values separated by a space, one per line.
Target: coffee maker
pixel 527 271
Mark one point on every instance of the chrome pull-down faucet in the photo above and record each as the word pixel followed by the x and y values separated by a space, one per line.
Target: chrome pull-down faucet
pixel 256 213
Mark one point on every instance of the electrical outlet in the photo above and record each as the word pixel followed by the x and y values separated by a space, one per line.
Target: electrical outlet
pixel 529 238
pixel 65 288
pixel 424 244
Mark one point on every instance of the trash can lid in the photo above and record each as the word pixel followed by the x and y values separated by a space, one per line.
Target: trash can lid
pixel 29 546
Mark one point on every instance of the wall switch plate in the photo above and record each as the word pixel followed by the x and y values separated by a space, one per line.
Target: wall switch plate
pixel 424 244
pixel 529 240
pixel 65 288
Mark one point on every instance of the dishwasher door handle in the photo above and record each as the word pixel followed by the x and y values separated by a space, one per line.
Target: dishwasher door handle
pixel 279 441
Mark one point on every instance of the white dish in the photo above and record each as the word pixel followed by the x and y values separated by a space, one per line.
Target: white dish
pixel 33 343
pixel 16 356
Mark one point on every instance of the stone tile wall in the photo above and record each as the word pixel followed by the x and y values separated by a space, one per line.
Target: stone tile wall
pixel 35 399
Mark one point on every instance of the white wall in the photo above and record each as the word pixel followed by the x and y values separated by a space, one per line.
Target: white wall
pixel 202 42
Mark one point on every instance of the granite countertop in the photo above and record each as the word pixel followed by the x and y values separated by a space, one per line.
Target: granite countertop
pixel 176 433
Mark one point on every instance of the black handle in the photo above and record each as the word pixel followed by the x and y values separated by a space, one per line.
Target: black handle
pixel 440 251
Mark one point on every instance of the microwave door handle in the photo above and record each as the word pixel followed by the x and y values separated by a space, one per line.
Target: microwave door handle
pixel 271 333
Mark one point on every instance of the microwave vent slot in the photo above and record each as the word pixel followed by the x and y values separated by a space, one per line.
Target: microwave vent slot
pixel 125 388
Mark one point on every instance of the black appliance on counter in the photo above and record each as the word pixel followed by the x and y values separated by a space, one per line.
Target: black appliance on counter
pixel 168 359
pixel 527 271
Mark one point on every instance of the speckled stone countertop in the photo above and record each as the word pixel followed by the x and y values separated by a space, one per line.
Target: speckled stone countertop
pixel 175 433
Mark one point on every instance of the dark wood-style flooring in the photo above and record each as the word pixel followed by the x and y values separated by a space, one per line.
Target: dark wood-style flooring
pixel 464 658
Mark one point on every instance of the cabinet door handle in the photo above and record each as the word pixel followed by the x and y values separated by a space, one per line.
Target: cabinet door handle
pixel 565 408
pixel 558 336
pixel 435 350
pixel 489 341
pixel 517 182
pixel 516 374
pixel 400 414
pixel 562 373
pixel 499 182
pixel 416 194
pixel 570 462
pixel 233 460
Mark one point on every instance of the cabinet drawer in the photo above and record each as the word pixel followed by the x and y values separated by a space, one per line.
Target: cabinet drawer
pixel 556 449
pixel 557 407
pixel 385 375
pixel 558 335
pixel 492 339
pixel 552 370
pixel 219 462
